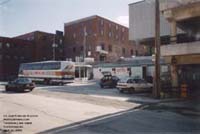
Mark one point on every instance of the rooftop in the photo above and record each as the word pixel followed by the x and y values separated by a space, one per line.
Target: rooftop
pixel 136 2
pixel 90 18
pixel 171 4
pixel 37 31
pixel 129 62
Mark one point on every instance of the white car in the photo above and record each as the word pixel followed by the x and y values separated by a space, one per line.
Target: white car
pixel 132 85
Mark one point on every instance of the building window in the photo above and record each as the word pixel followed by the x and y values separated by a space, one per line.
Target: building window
pixel 60 50
pixel 44 38
pixel 61 41
pixel 32 38
pixel 80 33
pixel 0 45
pixel 123 38
pixel 110 34
pixel 81 48
pixel 113 69
pixel 7 45
pixel 123 30
pixel 89 53
pixel 7 57
pixel 131 51
pixel 22 58
pixel 89 47
pixel 74 49
pixel 15 57
pixel 117 37
pixel 136 52
pixel 74 35
pixel 102 32
pixel 102 22
pixel 123 51
pixel 102 46
pixel 109 25
pixel 117 27
pixel 15 46
pixel 110 48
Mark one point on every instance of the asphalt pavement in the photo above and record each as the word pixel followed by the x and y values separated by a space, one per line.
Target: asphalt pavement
pixel 85 108
pixel 148 119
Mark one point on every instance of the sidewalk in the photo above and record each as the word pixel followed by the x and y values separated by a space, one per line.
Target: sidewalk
pixel 151 100
pixel 142 120
pixel 82 81
pixel 188 106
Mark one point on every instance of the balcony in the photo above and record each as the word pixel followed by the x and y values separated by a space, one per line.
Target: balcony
pixel 181 49
pixel 169 4
pixel 100 50
pixel 182 10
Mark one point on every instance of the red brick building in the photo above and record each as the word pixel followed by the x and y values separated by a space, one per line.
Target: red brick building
pixel 30 47
pixel 43 45
pixel 104 40
pixel 93 37
pixel 12 53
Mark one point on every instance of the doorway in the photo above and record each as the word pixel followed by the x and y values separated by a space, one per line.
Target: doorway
pixel 190 74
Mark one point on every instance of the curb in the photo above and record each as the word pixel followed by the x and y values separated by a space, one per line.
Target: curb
pixel 156 101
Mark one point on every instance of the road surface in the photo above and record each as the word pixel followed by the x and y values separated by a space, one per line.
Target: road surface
pixel 87 109
pixel 47 108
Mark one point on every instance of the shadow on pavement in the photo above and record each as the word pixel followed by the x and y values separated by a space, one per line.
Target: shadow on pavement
pixel 13 92
pixel 132 121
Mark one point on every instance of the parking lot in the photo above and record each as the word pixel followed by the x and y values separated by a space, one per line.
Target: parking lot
pixel 58 108
pixel 62 105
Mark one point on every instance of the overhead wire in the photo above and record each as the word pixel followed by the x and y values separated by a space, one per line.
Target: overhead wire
pixel 4 2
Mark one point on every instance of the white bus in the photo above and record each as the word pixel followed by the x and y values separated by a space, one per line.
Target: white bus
pixel 55 71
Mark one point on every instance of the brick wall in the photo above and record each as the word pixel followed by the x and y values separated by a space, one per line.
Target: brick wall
pixel 12 53
pixel 43 43
pixel 112 37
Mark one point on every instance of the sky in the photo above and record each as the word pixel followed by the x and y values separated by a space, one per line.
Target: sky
pixel 23 16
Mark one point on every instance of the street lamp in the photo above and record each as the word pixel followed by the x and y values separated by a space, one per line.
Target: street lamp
pixel 54 46
pixel 84 43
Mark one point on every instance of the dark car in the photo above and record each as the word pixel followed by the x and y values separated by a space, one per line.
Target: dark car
pixel 109 81
pixel 20 85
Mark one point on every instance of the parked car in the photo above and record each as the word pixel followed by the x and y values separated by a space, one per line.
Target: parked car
pixel 109 81
pixel 20 85
pixel 132 85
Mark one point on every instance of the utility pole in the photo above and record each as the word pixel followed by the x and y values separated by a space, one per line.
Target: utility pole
pixel 2 2
pixel 156 90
